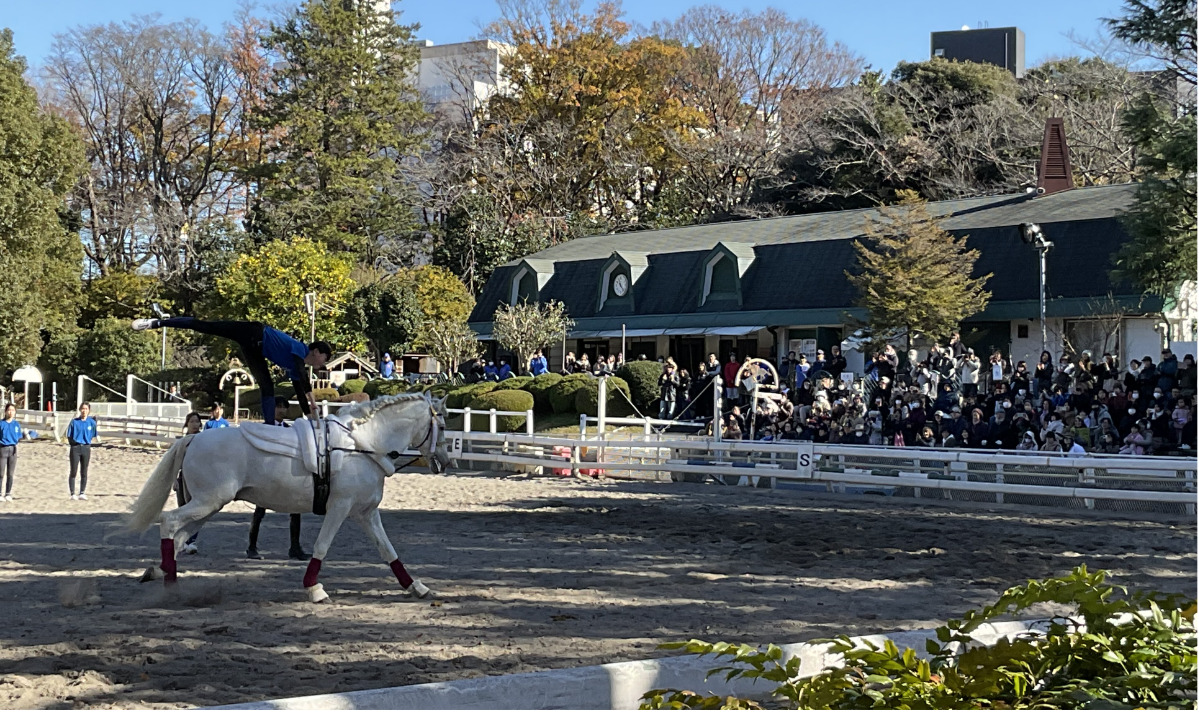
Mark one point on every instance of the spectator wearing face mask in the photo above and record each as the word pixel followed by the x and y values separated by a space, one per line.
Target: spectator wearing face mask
pixel 1128 420
pixel 1028 442
pixel 1021 382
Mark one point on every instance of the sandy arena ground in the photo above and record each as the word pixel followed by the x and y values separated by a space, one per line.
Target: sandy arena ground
pixel 529 574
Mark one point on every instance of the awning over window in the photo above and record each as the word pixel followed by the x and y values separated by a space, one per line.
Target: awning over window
pixel 732 331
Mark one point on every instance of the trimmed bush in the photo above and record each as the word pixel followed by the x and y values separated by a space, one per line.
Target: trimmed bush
pixel 540 388
pixel 463 397
pixel 353 385
pixel 642 377
pixel 379 387
pixel 587 399
pixel 508 400
pixel 517 383
pixel 325 394
pixel 562 395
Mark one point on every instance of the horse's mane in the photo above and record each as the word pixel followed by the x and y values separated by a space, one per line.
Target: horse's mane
pixel 367 409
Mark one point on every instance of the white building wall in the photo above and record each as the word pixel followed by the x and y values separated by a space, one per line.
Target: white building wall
pixel 1141 336
pixel 1029 349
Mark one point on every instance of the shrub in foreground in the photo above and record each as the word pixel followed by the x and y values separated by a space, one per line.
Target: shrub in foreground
pixel 508 400
pixel 1135 651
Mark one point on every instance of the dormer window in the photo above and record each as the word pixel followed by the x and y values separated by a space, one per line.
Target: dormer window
pixel 527 281
pixel 723 269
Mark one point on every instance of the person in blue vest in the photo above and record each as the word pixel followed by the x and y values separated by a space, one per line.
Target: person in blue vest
pixel 81 435
pixel 490 371
pixel 10 436
pixel 388 369
pixel 216 418
pixel 538 364
pixel 260 343
pixel 505 370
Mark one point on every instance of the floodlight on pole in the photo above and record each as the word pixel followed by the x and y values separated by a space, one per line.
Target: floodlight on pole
pixel 1032 234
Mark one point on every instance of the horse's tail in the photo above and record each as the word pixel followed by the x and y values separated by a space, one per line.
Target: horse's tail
pixel 153 497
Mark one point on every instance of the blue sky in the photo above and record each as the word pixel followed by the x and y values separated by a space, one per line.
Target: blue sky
pixel 883 31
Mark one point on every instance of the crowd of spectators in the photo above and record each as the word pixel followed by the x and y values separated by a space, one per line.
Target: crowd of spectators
pixel 951 399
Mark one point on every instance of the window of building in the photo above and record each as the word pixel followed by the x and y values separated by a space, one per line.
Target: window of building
pixel 524 287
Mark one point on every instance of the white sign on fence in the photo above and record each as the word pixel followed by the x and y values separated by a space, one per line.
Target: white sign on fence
pixel 804 457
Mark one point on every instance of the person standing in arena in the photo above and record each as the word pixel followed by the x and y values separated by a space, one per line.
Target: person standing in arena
pixel 216 418
pixel 10 436
pixel 81 434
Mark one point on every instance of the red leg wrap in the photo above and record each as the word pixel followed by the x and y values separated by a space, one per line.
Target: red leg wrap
pixel 401 574
pixel 314 568
pixel 169 571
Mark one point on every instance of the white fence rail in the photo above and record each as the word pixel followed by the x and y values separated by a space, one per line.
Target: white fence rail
pixel 1107 482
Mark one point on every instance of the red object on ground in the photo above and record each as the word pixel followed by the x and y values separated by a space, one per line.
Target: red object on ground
pixel 169 570
pixel 314 568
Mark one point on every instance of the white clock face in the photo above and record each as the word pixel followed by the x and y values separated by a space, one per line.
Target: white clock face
pixel 620 285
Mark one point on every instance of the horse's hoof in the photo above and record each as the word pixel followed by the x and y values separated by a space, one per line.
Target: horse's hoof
pixel 316 594
pixel 296 554
pixel 418 589
pixel 253 554
pixel 150 574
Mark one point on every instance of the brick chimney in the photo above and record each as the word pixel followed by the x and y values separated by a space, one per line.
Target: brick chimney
pixel 1054 173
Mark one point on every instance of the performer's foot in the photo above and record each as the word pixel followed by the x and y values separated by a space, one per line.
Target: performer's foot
pixel 297 553
pixel 145 324
pixel 252 553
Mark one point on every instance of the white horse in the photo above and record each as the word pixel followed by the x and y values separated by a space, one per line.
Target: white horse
pixel 220 466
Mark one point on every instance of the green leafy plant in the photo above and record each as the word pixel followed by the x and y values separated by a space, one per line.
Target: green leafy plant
pixel 540 388
pixel 562 395
pixel 587 399
pixel 508 400
pixel 1131 651
pixel 642 377
pixel 353 385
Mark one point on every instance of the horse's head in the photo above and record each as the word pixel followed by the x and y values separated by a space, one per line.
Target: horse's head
pixel 390 425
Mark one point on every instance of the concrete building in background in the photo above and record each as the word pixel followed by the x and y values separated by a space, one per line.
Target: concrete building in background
pixel 1003 47
pixel 460 76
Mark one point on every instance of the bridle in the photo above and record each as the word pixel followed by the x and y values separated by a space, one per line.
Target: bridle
pixel 435 425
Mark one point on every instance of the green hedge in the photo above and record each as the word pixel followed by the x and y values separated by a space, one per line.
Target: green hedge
pixel 353 385
pixel 253 398
pixel 325 394
pixel 379 387
pixel 462 397
pixel 562 395
pixel 587 399
pixel 642 377
pixel 509 400
pixel 516 383
pixel 540 388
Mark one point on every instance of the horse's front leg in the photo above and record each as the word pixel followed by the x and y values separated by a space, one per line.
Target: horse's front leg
pixel 334 517
pixel 372 524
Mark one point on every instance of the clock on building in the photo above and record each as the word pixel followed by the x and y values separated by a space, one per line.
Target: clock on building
pixel 620 285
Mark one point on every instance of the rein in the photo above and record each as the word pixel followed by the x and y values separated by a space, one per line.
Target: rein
pixel 393 455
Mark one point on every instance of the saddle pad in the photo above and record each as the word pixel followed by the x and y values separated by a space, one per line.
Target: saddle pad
pixel 294 442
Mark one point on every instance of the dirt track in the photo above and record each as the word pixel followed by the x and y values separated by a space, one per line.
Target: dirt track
pixel 529 573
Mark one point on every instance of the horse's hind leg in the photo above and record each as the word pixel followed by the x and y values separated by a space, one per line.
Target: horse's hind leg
pixel 372 524
pixel 334 518
pixel 173 531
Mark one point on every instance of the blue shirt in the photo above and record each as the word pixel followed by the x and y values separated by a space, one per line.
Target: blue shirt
pixel 215 423
pixel 82 432
pixel 505 371
pixel 389 369
pixel 538 366
pixel 10 432
pixel 283 349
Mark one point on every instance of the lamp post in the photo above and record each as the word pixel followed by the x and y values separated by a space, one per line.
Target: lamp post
pixel 1032 234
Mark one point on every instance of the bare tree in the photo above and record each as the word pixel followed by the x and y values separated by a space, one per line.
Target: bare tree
pixel 153 103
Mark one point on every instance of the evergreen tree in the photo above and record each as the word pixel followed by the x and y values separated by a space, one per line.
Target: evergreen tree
pixel 40 256
pixel 342 117
pixel 1161 255
pixel 916 277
